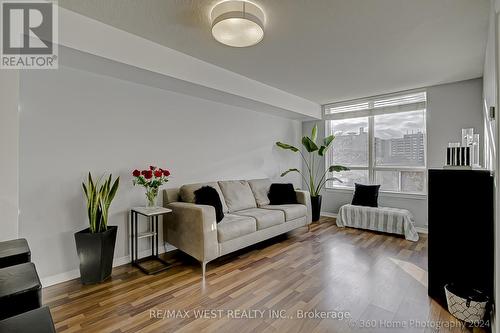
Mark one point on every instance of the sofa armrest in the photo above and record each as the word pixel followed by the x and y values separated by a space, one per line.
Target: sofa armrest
pixel 170 195
pixel 192 229
pixel 304 198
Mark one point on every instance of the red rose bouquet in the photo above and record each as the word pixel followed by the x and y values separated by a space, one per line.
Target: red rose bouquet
pixel 151 179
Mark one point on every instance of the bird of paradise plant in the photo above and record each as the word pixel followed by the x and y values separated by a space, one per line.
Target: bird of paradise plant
pixel 315 178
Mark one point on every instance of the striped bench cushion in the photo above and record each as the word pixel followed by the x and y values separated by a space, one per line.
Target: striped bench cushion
pixel 385 219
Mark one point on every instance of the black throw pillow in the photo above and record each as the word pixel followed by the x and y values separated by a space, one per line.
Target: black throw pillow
pixel 207 195
pixel 365 195
pixel 282 194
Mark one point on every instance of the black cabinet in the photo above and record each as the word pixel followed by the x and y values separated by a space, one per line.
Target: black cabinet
pixel 461 234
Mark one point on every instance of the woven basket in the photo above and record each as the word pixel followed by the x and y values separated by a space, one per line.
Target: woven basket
pixel 466 305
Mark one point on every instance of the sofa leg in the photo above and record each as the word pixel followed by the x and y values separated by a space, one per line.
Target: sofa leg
pixel 203 269
pixel 309 227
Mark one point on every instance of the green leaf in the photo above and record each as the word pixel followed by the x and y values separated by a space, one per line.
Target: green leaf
pixel 85 190
pixel 326 145
pixel 91 183
pixel 334 178
pixel 321 151
pixel 314 133
pixel 289 170
pixel 309 144
pixel 287 146
pixel 337 168
pixel 328 140
pixel 114 189
pixel 107 194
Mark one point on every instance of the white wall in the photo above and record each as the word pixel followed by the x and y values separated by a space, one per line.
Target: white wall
pixel 450 108
pixel 497 167
pixel 489 93
pixel 9 147
pixel 74 121
pixel 490 98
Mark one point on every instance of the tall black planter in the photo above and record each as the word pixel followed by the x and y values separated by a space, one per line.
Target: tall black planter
pixel 316 207
pixel 96 254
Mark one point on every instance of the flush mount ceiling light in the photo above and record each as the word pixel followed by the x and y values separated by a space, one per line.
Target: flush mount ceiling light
pixel 237 23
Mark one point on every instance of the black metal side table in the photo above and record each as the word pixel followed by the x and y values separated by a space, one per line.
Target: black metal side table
pixel 151 215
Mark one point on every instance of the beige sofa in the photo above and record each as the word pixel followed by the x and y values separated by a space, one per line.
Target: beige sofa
pixel 248 218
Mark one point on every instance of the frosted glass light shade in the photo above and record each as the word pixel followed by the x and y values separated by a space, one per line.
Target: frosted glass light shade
pixel 237 23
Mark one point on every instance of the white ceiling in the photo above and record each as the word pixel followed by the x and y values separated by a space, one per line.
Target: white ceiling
pixel 322 50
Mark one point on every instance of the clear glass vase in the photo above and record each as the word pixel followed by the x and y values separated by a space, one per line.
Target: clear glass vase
pixel 152 196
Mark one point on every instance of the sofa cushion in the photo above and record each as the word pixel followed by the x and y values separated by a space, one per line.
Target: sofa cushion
pixel 292 211
pixel 237 194
pixel 260 190
pixel 234 226
pixel 265 217
pixel 186 192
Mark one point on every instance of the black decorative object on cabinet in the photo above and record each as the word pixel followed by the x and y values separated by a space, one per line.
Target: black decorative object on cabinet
pixel 461 235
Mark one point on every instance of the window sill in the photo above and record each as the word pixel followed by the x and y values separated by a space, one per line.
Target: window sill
pixel 387 194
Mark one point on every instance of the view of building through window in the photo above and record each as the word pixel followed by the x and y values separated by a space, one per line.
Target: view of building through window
pixel 350 146
pixel 400 139
pixel 396 158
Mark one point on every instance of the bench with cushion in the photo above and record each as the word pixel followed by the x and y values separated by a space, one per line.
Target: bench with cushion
pixel 248 218
pixel 384 219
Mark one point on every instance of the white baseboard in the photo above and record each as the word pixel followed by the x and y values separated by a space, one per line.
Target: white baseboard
pixel 328 214
pixel 61 277
pixel 75 273
pixel 421 230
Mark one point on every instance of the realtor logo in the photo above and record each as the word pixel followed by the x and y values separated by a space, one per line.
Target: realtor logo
pixel 29 35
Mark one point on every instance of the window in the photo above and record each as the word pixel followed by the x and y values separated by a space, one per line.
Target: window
pixel 382 140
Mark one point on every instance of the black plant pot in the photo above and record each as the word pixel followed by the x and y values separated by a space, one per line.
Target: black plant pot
pixel 316 207
pixel 96 254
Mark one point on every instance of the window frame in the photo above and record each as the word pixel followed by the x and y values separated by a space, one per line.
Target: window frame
pixel 372 167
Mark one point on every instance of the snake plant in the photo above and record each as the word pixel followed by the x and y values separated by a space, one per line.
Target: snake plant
pixel 99 197
pixel 314 181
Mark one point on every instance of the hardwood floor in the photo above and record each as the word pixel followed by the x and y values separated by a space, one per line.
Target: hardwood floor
pixel 374 279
